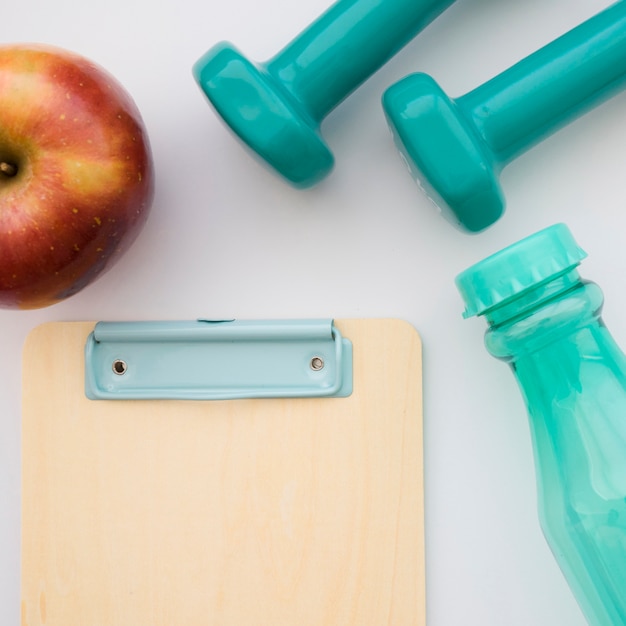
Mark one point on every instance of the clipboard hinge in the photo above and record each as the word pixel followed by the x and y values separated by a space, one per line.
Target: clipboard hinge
pixel 217 360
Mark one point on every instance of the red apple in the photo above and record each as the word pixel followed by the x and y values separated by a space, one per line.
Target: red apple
pixel 76 174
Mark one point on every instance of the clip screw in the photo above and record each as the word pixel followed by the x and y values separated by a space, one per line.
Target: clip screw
pixel 317 363
pixel 119 367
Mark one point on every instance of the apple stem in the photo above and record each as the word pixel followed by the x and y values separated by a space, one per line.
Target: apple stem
pixel 8 169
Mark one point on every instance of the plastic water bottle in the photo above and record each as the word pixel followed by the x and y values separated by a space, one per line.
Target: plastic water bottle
pixel 544 321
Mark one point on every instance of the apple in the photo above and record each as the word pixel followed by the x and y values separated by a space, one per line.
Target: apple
pixel 76 174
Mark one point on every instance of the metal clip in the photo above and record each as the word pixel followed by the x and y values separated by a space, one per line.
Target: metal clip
pixel 207 360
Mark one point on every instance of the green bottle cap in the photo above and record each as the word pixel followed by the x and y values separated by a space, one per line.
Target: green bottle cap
pixel 509 273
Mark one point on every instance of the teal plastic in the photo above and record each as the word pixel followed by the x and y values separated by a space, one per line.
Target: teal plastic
pixel 456 149
pixel 545 322
pixel 276 107
pixel 205 360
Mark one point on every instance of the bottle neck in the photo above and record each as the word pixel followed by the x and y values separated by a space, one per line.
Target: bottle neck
pixel 542 316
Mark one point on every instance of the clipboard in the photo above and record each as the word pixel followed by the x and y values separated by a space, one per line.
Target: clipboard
pixel 259 508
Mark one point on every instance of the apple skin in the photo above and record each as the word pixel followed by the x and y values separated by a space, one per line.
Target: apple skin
pixel 78 180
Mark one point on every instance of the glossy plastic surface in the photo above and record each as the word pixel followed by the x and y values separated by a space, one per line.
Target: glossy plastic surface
pixel 457 148
pixel 528 264
pixel 573 379
pixel 276 107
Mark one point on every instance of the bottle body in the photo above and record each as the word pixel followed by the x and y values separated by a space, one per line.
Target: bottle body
pixel 572 376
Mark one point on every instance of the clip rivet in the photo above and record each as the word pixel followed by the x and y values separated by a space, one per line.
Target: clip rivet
pixel 317 363
pixel 119 367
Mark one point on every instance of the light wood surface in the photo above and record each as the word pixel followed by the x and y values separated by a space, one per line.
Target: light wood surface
pixel 229 513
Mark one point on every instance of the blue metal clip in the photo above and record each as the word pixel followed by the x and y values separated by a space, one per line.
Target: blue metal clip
pixel 205 360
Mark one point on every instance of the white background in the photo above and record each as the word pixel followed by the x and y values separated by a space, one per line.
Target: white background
pixel 227 238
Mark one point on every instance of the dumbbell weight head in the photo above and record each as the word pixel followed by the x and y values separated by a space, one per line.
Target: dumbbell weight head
pixel 459 147
pixel 263 115
pixel 277 107
pixel 443 152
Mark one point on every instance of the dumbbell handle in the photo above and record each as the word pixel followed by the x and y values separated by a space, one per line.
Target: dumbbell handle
pixel 345 45
pixel 540 94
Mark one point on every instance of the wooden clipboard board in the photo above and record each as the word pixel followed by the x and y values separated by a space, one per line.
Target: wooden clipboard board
pixel 276 512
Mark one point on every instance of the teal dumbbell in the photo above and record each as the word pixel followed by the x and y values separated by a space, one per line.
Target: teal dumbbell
pixel 277 107
pixel 457 148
